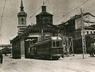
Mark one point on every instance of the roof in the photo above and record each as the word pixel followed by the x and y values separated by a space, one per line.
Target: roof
pixel 75 17
pixel 22 13
pixel 42 42
pixel 79 16
pixel 35 29
pixel 15 39
pixel 5 45
pixel 70 21
pixel 44 14
pixel 34 35
pixel 56 38
pixel 92 27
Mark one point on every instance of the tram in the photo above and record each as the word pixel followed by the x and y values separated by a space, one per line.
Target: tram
pixel 47 49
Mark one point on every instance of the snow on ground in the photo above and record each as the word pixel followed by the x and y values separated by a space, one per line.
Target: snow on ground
pixel 67 64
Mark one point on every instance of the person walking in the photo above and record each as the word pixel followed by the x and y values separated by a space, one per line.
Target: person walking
pixel 1 58
pixel 92 50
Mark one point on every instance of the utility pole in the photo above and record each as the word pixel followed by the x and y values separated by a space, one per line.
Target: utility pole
pixel 72 46
pixel 83 35
pixel 2 15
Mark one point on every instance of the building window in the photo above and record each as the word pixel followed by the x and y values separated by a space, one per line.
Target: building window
pixel 57 43
pixel 87 32
pixel 22 20
pixel 91 32
pixel 54 44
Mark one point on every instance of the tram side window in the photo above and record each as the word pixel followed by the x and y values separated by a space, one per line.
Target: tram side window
pixel 56 44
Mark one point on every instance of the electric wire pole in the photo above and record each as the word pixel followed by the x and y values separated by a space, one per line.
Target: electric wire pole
pixel 83 35
pixel 2 15
pixel 72 46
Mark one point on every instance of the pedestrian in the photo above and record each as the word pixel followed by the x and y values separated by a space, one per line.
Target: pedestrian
pixel 92 50
pixel 1 58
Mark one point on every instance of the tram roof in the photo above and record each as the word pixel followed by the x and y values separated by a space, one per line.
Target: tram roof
pixel 56 38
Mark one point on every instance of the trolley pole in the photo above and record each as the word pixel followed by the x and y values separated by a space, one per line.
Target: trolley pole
pixel 83 35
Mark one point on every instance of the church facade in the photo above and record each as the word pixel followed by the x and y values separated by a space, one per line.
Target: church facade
pixel 27 35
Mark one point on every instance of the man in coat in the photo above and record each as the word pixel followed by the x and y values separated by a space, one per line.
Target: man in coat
pixel 92 50
pixel 1 57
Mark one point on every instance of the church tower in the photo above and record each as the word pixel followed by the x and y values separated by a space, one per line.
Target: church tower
pixel 22 16
pixel 44 18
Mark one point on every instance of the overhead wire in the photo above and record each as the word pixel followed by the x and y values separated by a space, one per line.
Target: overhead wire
pixel 3 12
pixel 78 7
pixel 30 17
pixel 2 15
pixel 39 8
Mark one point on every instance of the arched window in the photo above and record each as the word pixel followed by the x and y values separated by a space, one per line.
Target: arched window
pixel 91 32
pixel 87 32
pixel 22 20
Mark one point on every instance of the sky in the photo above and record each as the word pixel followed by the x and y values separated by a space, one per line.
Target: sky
pixel 61 9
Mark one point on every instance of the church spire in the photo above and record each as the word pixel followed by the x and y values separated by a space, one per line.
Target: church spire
pixel 43 3
pixel 43 7
pixel 21 7
pixel 22 16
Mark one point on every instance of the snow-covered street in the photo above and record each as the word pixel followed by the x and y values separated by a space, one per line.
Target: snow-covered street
pixel 67 64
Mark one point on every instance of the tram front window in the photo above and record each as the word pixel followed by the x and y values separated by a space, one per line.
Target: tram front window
pixel 56 43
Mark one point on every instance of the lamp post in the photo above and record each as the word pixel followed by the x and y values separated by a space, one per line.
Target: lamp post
pixel 83 34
